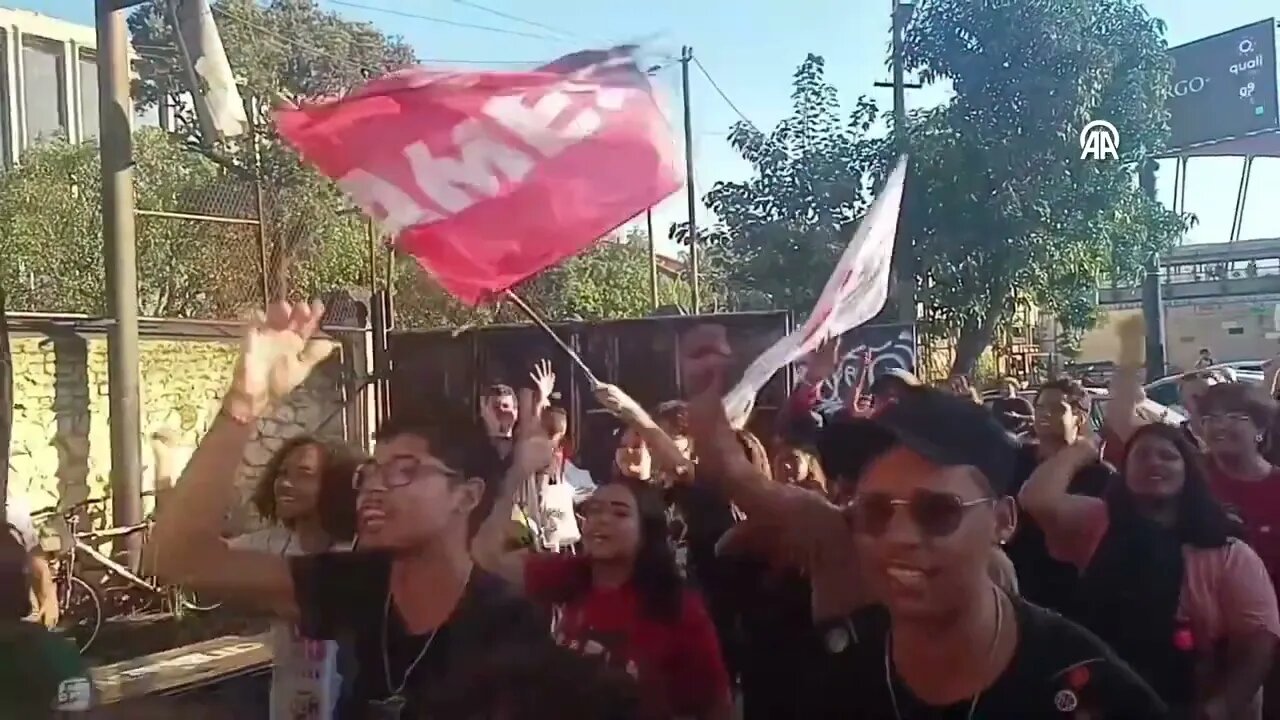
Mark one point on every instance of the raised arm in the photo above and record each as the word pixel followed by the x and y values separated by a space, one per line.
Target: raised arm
pixel 706 357
pixel 1121 416
pixel 532 453
pixel 186 548
pixel 1065 518
pixel 664 449
pixel 864 378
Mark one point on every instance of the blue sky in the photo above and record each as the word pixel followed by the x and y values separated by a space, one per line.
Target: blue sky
pixel 751 48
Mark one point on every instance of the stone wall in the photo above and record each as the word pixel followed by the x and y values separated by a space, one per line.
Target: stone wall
pixel 61 448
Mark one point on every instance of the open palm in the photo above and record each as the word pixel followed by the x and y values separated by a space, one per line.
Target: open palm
pixel 277 354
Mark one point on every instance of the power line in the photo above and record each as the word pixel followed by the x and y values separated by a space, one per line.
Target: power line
pixel 288 43
pixel 725 96
pixel 444 21
pixel 517 18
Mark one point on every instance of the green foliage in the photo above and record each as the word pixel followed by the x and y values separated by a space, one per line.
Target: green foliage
pixel 293 50
pixel 782 230
pixel 1001 206
pixel 611 280
pixel 279 50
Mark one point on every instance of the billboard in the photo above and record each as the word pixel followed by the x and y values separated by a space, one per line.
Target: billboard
pixel 1224 87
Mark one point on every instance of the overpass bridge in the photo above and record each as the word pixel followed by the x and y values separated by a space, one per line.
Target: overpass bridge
pixel 1221 296
pixel 1217 271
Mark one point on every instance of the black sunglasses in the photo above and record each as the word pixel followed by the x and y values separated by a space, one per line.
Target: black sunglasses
pixel 936 514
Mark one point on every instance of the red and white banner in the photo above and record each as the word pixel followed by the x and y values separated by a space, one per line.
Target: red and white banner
pixel 490 177
pixel 854 293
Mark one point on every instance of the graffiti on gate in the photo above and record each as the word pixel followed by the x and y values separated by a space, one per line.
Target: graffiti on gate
pixel 890 347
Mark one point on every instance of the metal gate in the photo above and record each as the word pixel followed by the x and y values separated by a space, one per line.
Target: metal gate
pixel 642 356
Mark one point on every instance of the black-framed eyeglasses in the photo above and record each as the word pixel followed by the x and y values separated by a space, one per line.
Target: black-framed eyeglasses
pixel 936 514
pixel 397 473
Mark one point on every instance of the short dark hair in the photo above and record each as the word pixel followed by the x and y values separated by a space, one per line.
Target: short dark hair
pixel 460 442
pixel 1240 397
pixel 558 416
pixel 1072 391
pixel 499 390
pixel 674 413
pixel 337 501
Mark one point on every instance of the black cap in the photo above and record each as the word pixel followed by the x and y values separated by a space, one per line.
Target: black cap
pixel 945 428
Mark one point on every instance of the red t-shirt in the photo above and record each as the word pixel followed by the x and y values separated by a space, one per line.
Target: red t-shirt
pixel 1258 503
pixel 677 664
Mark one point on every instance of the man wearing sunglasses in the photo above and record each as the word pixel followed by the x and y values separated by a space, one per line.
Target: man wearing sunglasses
pixel 930 507
pixel 944 640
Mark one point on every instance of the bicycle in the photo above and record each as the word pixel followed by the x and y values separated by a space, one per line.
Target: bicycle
pixel 81 602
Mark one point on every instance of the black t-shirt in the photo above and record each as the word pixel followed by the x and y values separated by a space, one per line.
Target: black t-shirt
pixel 1059 671
pixel 344 597
pixel 1042 579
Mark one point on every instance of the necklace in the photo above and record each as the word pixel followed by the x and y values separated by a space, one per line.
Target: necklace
pixel 392 707
pixel 991 651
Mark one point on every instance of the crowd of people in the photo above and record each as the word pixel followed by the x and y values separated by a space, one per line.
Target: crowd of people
pixel 908 557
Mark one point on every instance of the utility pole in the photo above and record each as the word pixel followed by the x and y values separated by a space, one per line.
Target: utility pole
pixel 653 259
pixel 904 250
pixel 115 116
pixel 1152 290
pixel 686 58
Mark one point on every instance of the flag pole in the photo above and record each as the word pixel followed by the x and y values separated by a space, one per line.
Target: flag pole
pixel 537 320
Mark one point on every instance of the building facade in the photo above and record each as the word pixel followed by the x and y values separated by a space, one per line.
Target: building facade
pixel 48 82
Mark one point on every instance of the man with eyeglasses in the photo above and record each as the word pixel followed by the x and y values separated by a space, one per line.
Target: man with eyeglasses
pixel 936 636
pixel 407 605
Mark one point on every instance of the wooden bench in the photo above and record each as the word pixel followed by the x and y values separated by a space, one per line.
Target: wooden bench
pixel 182 669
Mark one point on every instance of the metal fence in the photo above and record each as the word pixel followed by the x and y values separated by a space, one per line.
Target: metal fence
pixel 641 355
pixel 233 245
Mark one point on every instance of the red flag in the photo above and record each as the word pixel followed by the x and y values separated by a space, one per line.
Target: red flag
pixel 490 177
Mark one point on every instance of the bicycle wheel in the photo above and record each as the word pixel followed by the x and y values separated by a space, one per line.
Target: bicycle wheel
pixel 80 612
pixel 192 601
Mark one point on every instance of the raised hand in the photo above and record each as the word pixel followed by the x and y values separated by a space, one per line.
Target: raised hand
pixel 490 418
pixel 276 355
pixel 544 381
pixel 704 361
pixel 533 451
pixel 823 362
pixel 1087 447
pixel 617 402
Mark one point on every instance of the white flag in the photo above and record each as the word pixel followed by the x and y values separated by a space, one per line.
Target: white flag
pixel 854 294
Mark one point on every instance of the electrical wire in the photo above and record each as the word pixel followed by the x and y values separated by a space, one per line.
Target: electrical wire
pixel 284 42
pixel 517 18
pixel 444 21
pixel 725 96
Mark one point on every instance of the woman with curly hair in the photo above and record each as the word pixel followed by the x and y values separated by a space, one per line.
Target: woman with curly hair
pixel 306 495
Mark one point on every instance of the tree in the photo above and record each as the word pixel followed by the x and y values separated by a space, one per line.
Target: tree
pixel 608 281
pixel 50 216
pixel 293 50
pixel 781 231
pixel 1001 207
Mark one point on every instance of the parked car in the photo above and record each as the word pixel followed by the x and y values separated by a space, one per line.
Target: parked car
pixel 1098 399
pixel 1165 390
